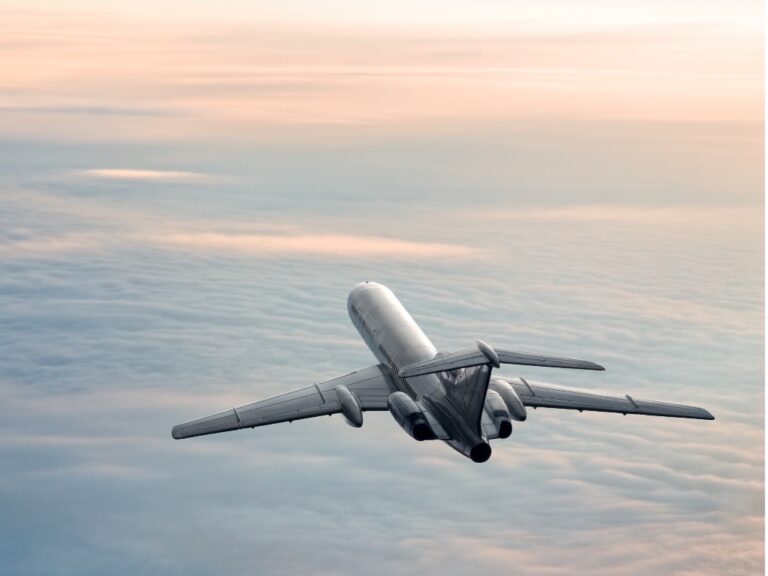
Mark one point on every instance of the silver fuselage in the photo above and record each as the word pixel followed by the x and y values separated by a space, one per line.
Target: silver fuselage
pixel 396 340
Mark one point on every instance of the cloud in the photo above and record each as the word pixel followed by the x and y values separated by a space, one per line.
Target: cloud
pixel 253 245
pixel 89 110
pixel 675 214
pixel 212 77
pixel 103 351
pixel 131 174
pixel 52 245
pixel 346 246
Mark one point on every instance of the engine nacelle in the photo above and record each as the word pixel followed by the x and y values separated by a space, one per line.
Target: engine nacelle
pixel 350 407
pixel 410 417
pixel 511 399
pixel 499 413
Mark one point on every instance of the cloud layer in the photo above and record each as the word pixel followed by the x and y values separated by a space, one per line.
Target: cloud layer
pixel 103 350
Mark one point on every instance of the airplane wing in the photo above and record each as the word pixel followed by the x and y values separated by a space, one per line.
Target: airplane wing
pixel 371 387
pixel 542 395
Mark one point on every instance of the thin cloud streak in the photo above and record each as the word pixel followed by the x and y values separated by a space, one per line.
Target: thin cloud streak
pixel 52 245
pixel 684 215
pixel 317 244
pixel 259 245
pixel 145 175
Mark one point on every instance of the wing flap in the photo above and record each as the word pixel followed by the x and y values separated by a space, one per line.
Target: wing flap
pixel 221 422
pixel 371 387
pixel 544 395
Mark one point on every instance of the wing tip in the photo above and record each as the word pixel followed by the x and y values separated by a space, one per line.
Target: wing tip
pixel 176 433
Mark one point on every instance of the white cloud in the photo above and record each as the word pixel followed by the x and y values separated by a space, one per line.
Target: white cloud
pixel 138 175
pixel 254 245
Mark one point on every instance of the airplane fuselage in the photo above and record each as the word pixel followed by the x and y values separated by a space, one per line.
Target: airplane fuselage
pixel 396 340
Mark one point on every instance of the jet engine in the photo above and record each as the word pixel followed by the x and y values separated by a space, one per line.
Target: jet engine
pixel 499 413
pixel 410 417
pixel 350 407
pixel 511 399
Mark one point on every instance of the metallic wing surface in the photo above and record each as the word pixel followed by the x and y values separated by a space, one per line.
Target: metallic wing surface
pixel 370 386
pixel 544 395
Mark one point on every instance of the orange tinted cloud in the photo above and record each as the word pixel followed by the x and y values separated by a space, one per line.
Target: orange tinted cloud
pixel 315 244
pixel 97 75
pixel 258 245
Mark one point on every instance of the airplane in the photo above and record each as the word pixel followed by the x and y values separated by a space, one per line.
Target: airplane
pixel 432 395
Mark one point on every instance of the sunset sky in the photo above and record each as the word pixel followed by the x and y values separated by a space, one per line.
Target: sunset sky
pixel 188 191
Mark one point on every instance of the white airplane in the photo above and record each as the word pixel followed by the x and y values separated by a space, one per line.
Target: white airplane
pixel 432 396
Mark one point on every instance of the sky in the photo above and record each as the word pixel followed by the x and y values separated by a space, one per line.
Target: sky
pixel 188 191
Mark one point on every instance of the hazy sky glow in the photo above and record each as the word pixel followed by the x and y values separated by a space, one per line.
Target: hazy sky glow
pixel 189 190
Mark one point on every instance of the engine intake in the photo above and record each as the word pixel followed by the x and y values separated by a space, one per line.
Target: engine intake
pixel 410 417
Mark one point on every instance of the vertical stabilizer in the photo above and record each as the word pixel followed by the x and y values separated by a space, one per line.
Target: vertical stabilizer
pixel 468 393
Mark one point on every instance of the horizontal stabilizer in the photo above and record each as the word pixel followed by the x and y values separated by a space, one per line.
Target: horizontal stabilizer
pixel 482 353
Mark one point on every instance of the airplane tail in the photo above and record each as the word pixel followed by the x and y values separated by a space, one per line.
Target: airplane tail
pixel 483 354
pixel 469 391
